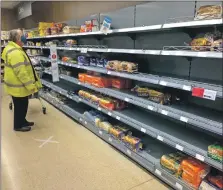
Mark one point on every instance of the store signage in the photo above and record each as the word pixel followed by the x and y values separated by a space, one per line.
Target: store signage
pixel 54 63
pixel 24 10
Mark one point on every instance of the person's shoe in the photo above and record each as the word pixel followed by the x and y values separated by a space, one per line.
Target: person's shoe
pixel 23 129
pixel 28 124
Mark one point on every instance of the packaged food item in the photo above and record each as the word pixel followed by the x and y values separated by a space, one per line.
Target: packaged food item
pixel 71 29
pixel 128 67
pixel 70 43
pixel 101 62
pixel 93 61
pixel 113 65
pixel 83 28
pixel 81 77
pixel 205 185
pixel 68 60
pixel 118 131
pixel 209 12
pixel 194 171
pixel 172 163
pixel 95 98
pixel 215 152
pixel 83 60
pixel 105 126
pixel 141 91
pixel 121 83
pixel 101 82
pixel 200 44
pixel 216 181
pixel 159 97
pixel 106 25
pixel 217 45
pixel 89 79
pixel 133 143
pixel 112 104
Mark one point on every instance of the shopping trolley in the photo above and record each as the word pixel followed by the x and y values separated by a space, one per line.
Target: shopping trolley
pixel 39 68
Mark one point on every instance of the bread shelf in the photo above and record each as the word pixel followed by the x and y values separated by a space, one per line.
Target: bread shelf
pixel 175 135
pixel 186 85
pixel 148 158
pixel 184 53
pixel 190 24
pixel 196 116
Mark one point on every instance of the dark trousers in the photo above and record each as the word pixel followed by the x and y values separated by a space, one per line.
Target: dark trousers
pixel 20 111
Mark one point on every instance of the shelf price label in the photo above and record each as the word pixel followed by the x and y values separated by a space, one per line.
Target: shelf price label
pixel 129 152
pixel 184 119
pixel 179 147
pixel 83 50
pixel 204 93
pixel 160 138
pixel 109 113
pixel 163 83
pixel 187 88
pixel 100 132
pixel 143 130
pixel 164 112
pixel 85 122
pixel 150 107
pixel 200 157
pixel 118 118
pixel 109 72
pixel 158 172
pixel 178 186
pixel 110 139
pixel 127 99
pixel 99 109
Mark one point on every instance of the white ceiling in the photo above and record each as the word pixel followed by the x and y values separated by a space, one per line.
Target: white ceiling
pixel 9 4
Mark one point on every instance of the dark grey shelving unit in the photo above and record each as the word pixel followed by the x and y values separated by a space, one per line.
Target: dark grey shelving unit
pixel 157 45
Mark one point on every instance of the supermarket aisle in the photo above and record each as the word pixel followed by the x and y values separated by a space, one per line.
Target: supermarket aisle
pixel 79 161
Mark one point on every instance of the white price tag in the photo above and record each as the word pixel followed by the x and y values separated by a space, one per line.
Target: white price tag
pixel 99 108
pixel 78 66
pixel 118 118
pixel 184 119
pixel 209 94
pixel 109 113
pixel 200 157
pixel 164 112
pixel 150 107
pixel 85 122
pixel 80 119
pixel 79 99
pixel 83 50
pixel 158 172
pixel 110 139
pixel 79 83
pixel 163 83
pixel 100 132
pixel 60 92
pixel 178 186
pixel 127 99
pixel 109 72
pixel 160 138
pixel 143 130
pixel 129 152
pixel 179 147
pixel 185 87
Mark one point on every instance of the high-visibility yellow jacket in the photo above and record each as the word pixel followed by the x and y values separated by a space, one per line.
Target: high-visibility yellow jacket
pixel 20 78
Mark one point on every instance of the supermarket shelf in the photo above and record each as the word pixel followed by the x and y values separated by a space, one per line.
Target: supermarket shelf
pixel 151 163
pixel 175 135
pixel 149 78
pixel 206 54
pixel 205 121
pixel 191 24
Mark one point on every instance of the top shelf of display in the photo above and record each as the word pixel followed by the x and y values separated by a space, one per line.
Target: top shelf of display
pixel 199 23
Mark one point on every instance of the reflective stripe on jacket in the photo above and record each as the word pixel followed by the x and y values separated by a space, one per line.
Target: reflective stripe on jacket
pixel 20 79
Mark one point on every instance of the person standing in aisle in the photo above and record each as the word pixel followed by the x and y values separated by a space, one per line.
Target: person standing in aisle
pixel 20 79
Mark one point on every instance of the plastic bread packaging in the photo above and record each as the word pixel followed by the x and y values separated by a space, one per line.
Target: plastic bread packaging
pixel 215 152
pixel 105 126
pixel 141 91
pixel 209 12
pixel 194 171
pixel 118 131
pixel 159 97
pixel 93 61
pixel 71 29
pixel 113 65
pixel 133 143
pixel 95 98
pixel 172 163
pixel 83 60
pixel 121 83
pixel 200 44
pixel 101 82
pixel 205 185
pixel 129 67
pixel 107 103
pixel 216 181
pixel 82 77
pixel 70 43
pixel 217 45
